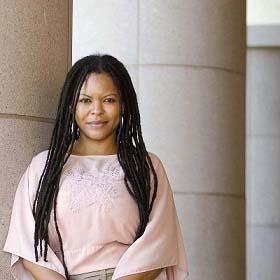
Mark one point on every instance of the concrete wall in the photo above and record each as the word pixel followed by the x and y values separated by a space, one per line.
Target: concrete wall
pixel 263 154
pixel 35 44
pixel 263 12
pixel 187 61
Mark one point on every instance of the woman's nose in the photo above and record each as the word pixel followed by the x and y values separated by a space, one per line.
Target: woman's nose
pixel 96 107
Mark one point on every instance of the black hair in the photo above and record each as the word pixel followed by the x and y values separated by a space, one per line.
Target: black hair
pixel 131 151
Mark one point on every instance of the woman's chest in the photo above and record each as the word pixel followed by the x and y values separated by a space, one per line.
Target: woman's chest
pixel 96 205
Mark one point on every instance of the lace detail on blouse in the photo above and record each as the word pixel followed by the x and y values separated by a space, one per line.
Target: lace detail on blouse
pixel 82 187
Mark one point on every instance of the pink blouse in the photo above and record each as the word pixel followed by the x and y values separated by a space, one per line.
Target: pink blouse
pixel 98 219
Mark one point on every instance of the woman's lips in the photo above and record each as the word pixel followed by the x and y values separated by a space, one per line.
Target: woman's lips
pixel 97 124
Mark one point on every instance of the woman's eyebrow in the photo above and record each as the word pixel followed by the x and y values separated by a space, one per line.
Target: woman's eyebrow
pixel 111 94
pixel 85 95
pixel 103 96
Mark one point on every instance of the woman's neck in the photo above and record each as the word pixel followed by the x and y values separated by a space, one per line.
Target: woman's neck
pixel 80 149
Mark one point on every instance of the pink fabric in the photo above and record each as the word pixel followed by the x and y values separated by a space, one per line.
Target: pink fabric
pixel 97 219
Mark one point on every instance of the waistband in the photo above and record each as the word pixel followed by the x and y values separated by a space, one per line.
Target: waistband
pixel 103 274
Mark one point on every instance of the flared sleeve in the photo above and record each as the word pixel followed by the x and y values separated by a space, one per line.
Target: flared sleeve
pixel 20 239
pixel 161 245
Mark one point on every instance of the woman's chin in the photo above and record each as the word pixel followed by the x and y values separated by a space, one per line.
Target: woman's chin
pixel 98 135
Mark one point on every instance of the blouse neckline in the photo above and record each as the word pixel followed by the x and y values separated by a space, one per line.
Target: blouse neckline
pixel 94 156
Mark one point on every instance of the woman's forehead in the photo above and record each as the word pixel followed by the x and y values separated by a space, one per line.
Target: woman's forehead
pixel 98 82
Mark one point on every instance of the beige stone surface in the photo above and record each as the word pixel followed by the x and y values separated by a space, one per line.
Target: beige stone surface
pixel 213 227
pixel 202 32
pixel 106 27
pixel 20 140
pixel 34 56
pixel 197 116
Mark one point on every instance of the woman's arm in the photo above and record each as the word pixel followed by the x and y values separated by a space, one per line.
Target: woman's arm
pixel 41 273
pixel 147 275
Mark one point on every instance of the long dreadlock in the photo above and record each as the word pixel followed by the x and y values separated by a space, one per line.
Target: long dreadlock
pixel 131 151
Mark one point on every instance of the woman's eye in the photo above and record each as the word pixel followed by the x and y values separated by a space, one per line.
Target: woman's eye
pixel 110 100
pixel 85 100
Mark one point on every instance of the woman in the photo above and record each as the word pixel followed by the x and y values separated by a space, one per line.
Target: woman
pixel 96 204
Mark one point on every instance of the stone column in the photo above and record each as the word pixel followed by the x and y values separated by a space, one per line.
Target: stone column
pixel 192 87
pixel 187 60
pixel 35 44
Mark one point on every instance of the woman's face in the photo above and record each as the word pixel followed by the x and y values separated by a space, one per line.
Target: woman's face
pixel 98 108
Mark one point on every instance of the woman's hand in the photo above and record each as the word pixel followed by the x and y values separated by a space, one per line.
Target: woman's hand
pixel 41 273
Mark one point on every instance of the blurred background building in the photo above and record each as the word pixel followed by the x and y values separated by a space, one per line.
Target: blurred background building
pixel 263 140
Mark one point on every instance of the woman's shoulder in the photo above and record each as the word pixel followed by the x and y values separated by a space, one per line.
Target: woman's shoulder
pixel 42 154
pixel 39 158
pixel 155 159
pixel 37 163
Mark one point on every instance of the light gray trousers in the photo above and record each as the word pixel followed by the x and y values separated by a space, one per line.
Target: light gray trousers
pixel 104 274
